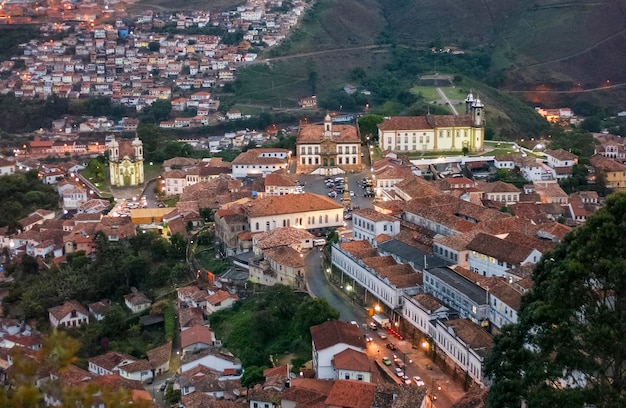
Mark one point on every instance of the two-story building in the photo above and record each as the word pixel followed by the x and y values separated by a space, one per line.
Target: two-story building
pixel 329 339
pixel 328 149
pixel 260 162
pixel 368 223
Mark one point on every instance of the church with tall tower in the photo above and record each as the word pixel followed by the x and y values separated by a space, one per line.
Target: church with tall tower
pixel 125 162
pixel 328 149
pixel 435 133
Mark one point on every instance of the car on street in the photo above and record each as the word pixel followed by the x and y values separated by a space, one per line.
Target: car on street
pixel 418 381
pixel 382 335
pixel 386 361
pixel 352 193
pixel 391 346
pixel 406 379
pixel 399 372
pixel 372 326
pixel 347 216
pixel 163 387
pixel 369 339
pixel 400 364
pixel 332 194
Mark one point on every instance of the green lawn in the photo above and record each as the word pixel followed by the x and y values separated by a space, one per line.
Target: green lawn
pixel 206 257
pixel 428 92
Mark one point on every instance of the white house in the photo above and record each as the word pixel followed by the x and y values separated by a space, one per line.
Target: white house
pixel 215 359
pixel 329 339
pixel 260 162
pixel 139 370
pixel 368 223
pixel 6 166
pixel 504 304
pixel 109 363
pixel 492 256
pixel 466 344
pixel 561 161
pixel 421 310
pixel 308 211
pixel 137 302
pixel 74 198
pixel 351 364
pixel 70 314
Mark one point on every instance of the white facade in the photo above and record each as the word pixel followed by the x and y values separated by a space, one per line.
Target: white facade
pixel 343 374
pixel 422 319
pixel 212 362
pixel 463 355
pixel 74 198
pixel 323 359
pixel 243 170
pixel 345 154
pixel 332 218
pixel 368 228
pixel 537 171
pixel 72 319
pixel 500 313
pixel 380 287
pixel 489 266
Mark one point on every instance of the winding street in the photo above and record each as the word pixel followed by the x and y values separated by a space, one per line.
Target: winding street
pixel 319 287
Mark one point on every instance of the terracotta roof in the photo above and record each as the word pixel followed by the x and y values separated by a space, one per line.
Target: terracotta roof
pixel 507 294
pixel 111 360
pixel 424 122
pixel 334 332
pixel 352 360
pixel 73 375
pixel 285 255
pixel 280 237
pixel 100 307
pixel 290 204
pixel 280 370
pixel 59 312
pixel 137 366
pixel 220 296
pixel 310 133
pixel 253 156
pixel 606 164
pixel 472 334
pixel 429 302
pixel 351 394
pixel 498 187
pixel 373 215
pixel 192 292
pixel 121 227
pixel 137 299
pixel 561 154
pixel 196 335
pixel 190 316
pixel 160 355
pixel 359 249
pixel 499 249
pixel 280 180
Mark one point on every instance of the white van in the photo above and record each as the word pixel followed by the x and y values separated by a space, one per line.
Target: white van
pixel 319 242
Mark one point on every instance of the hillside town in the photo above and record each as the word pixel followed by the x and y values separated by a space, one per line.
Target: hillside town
pixel 437 256
pixel 425 258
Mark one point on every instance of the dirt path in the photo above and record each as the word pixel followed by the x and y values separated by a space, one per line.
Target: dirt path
pixel 444 97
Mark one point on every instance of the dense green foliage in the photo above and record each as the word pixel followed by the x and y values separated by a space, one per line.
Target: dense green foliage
pixel 148 263
pixel 578 141
pixel 21 194
pixel 271 323
pixel 571 323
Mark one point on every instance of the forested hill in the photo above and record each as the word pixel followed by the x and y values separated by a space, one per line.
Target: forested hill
pixel 551 43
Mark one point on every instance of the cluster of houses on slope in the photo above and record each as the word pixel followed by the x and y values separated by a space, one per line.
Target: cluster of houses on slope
pixel 137 67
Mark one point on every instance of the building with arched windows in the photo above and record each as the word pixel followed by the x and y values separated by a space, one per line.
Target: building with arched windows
pixel 126 162
pixel 328 148
pixel 435 133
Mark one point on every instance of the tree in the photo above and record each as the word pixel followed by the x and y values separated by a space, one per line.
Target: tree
pixel 252 375
pixel 368 125
pixel 312 312
pixel 571 323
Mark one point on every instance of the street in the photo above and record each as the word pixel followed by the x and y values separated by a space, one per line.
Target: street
pixel 320 284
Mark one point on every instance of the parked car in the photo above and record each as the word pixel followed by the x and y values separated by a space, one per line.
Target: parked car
pixel 163 387
pixel 347 216
pixel 386 361
pixel 418 381
pixel 401 364
pixel 399 372
pixel 352 193
pixel 332 194
pixel 372 326
pixel 406 379
pixel 391 346
pixel 368 339
pixel 382 335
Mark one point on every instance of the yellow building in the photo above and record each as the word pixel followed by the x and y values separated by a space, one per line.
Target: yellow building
pixel 126 162
pixel 435 133
pixel 614 171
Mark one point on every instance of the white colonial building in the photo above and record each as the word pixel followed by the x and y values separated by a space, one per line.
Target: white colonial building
pixel 260 162
pixel 329 339
pixel 368 223
pixel 307 211
pixel 435 133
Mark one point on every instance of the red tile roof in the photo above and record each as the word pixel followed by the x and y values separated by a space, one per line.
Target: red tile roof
pixel 351 394
pixel 196 335
pixel 334 332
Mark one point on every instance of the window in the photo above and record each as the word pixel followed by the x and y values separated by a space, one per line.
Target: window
pixel 256 226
